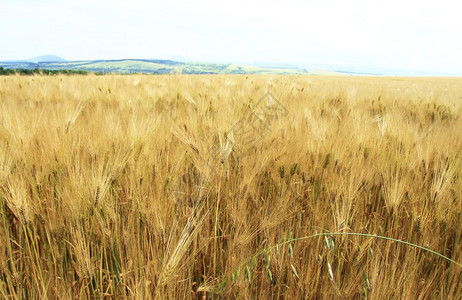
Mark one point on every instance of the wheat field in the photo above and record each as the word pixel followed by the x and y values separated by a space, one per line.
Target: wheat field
pixel 247 187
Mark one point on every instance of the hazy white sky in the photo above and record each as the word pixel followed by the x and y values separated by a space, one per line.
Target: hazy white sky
pixel 416 35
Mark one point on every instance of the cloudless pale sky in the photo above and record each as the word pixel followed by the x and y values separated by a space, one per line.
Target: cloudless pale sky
pixel 409 35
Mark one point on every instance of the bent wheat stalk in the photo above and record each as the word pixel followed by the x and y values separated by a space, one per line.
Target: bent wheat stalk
pixel 356 234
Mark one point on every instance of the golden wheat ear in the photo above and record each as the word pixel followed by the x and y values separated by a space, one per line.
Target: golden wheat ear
pixel 187 236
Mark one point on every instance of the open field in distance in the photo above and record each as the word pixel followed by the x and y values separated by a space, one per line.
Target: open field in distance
pixel 143 187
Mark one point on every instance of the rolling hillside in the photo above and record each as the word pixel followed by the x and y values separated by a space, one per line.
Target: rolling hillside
pixel 150 66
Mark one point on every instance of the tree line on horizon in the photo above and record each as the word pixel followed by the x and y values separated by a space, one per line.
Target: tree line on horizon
pixel 38 71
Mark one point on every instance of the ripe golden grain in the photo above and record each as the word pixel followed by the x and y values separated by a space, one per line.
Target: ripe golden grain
pixel 142 187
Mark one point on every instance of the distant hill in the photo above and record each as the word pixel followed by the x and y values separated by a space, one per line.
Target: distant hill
pixel 145 66
pixel 45 58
